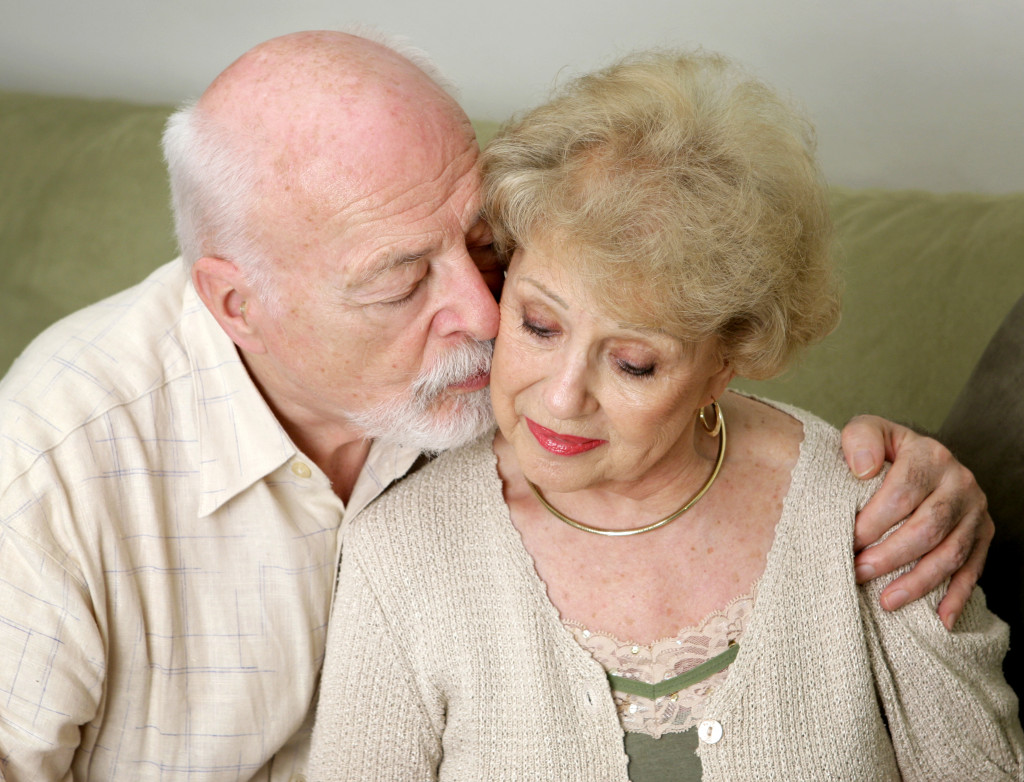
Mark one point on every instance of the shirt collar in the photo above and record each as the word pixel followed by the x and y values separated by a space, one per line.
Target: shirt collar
pixel 240 439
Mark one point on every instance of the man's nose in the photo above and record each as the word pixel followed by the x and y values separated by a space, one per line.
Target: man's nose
pixel 469 305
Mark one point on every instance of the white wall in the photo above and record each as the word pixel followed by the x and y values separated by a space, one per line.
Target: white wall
pixel 905 93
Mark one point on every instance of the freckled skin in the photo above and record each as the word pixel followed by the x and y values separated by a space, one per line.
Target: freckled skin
pixel 650 586
pixel 360 156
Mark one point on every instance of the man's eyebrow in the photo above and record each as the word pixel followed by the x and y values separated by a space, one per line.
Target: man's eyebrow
pixel 546 291
pixel 391 260
pixel 384 264
pixel 477 219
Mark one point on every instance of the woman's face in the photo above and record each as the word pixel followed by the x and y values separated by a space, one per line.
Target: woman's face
pixel 585 399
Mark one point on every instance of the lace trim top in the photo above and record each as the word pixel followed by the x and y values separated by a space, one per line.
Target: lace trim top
pixel 666 659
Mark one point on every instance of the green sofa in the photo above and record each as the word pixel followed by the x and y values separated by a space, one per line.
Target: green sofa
pixel 83 213
pixel 928 278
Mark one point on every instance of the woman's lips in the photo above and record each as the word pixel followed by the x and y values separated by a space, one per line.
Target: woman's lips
pixel 561 444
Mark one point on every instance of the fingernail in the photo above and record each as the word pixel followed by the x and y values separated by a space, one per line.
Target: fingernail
pixel 864 573
pixel 895 600
pixel 863 463
pixel 951 621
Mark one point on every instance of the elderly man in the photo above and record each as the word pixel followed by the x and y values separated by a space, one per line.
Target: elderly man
pixel 176 462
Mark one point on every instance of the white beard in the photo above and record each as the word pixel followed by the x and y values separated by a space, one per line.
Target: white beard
pixel 414 419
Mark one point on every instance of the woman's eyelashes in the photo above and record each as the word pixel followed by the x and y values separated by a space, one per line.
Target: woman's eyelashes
pixel 636 370
pixel 539 330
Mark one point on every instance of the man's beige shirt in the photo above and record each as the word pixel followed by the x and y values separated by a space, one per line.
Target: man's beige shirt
pixel 167 555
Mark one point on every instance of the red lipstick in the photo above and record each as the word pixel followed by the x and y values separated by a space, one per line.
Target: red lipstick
pixel 561 444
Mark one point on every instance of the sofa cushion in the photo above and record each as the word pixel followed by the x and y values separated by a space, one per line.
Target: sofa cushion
pixel 985 429
pixel 84 213
pixel 928 278
pixel 83 210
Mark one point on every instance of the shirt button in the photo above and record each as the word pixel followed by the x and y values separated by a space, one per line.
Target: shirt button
pixel 299 777
pixel 301 469
pixel 710 731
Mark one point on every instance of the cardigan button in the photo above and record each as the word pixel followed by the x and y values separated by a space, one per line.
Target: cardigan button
pixel 710 731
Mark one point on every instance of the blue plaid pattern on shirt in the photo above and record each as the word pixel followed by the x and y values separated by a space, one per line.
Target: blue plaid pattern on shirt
pixel 167 556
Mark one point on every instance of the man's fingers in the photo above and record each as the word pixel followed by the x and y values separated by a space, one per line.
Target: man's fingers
pixel 920 535
pixel 927 574
pixel 962 553
pixel 947 527
pixel 907 486
pixel 962 584
pixel 864 446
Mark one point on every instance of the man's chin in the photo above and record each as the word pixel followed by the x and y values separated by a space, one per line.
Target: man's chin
pixel 453 420
pixel 467 416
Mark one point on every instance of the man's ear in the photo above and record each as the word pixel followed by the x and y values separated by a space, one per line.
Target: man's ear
pixel 222 287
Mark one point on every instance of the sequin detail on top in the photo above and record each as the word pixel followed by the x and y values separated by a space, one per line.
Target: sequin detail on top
pixel 666 659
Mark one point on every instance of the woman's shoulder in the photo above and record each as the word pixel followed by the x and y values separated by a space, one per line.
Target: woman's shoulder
pixel 811 446
pixel 435 505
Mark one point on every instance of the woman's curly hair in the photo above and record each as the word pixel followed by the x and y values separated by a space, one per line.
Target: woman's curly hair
pixel 687 196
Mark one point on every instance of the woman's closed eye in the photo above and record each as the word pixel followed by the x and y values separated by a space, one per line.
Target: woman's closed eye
pixel 636 370
pixel 537 329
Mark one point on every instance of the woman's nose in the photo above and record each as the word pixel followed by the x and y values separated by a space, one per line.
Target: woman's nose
pixel 567 394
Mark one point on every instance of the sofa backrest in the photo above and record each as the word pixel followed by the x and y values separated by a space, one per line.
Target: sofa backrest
pixel 84 212
pixel 83 207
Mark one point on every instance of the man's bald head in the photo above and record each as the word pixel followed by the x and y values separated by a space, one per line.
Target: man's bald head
pixel 300 124
pixel 328 200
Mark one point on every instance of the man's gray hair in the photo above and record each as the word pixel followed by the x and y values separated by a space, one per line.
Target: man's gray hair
pixel 213 183
pixel 212 186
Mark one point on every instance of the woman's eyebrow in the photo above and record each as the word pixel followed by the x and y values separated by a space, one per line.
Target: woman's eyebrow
pixel 546 291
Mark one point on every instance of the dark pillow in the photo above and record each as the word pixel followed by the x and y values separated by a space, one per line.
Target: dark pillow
pixel 985 429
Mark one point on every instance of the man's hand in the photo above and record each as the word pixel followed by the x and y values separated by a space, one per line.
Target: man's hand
pixel 948 527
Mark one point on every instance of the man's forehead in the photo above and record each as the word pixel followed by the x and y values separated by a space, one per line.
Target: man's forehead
pixel 378 197
pixel 364 162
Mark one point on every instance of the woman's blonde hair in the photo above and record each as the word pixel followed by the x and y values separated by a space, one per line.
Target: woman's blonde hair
pixel 686 194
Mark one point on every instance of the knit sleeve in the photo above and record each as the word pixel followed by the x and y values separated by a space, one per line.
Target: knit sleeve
pixel 372 720
pixel 949 711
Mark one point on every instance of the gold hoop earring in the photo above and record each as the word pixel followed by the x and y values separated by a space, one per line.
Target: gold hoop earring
pixel 715 428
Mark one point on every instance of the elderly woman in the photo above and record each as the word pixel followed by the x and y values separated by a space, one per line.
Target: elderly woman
pixel 641 575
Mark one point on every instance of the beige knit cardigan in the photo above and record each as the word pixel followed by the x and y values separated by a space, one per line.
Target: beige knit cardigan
pixel 446 660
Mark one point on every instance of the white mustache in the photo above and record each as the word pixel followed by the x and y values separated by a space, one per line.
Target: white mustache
pixel 455 366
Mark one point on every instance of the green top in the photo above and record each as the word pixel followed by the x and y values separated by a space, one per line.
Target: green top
pixel 677 683
pixel 672 757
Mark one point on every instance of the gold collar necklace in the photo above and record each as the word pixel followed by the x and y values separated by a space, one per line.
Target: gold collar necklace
pixel 718 428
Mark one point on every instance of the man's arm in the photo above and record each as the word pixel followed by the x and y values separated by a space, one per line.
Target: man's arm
pixel 948 526
pixel 52 662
